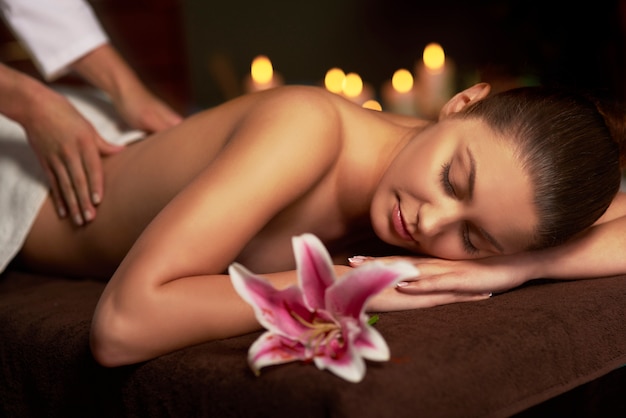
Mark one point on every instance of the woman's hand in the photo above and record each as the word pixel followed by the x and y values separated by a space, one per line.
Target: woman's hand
pixel 449 281
pixel 69 149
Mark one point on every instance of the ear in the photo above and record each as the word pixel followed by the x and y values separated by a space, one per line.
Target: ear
pixel 468 96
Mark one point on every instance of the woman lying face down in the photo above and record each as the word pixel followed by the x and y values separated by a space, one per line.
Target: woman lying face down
pixel 494 177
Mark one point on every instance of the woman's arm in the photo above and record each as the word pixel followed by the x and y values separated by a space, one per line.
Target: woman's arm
pixel 170 290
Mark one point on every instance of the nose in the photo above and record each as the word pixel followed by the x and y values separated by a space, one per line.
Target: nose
pixel 435 219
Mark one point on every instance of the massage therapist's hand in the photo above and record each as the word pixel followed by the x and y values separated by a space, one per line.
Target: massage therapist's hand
pixel 70 150
pixel 142 110
pixel 105 68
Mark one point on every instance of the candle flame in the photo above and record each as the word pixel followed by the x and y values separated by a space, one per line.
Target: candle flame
pixel 402 81
pixel 353 85
pixel 434 57
pixel 262 70
pixel 372 104
pixel 334 80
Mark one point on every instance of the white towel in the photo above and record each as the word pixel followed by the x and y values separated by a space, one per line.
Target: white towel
pixel 23 186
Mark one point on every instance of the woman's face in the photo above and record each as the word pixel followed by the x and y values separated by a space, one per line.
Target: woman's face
pixel 455 191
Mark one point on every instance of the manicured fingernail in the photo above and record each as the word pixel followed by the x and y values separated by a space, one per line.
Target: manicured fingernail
pixel 357 260
pixel 488 295
pixel 95 198
pixel 402 284
pixel 88 215
pixel 78 220
pixel 61 211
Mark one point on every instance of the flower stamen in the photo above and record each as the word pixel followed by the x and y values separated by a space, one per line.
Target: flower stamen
pixel 320 332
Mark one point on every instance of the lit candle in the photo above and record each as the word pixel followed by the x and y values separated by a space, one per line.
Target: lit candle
pixel 262 75
pixel 334 80
pixel 399 93
pixel 435 81
pixel 372 105
pixel 355 90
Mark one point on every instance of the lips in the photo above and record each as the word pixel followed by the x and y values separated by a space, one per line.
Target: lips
pixel 399 225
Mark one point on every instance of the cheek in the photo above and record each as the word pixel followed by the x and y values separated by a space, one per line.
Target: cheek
pixel 419 178
pixel 446 246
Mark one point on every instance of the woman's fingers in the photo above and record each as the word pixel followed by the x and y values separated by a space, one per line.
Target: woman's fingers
pixel 429 300
pixel 394 300
pixel 430 285
pixel 476 277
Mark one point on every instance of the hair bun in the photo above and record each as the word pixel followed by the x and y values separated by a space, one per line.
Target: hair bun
pixel 614 114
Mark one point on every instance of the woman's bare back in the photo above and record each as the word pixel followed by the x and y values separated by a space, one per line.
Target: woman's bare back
pixel 142 179
pixel 139 181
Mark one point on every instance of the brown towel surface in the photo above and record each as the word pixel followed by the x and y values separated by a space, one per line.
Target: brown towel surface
pixel 492 358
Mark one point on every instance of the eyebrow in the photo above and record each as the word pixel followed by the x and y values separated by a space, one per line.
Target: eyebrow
pixel 471 179
pixel 471 182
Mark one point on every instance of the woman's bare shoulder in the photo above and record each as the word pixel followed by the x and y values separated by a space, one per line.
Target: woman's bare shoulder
pixel 295 119
pixel 297 98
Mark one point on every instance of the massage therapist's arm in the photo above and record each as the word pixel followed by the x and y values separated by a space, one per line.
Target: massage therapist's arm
pixel 106 69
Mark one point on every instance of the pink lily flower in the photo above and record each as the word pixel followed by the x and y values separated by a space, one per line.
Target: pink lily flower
pixel 322 319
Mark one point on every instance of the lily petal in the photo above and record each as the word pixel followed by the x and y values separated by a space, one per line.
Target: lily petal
pixel 371 345
pixel 350 368
pixel 273 308
pixel 270 349
pixel 320 319
pixel 349 295
pixel 315 269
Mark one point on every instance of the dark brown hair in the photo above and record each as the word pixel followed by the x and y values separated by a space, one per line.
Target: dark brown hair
pixel 569 144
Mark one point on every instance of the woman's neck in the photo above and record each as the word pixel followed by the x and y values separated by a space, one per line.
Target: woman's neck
pixel 366 157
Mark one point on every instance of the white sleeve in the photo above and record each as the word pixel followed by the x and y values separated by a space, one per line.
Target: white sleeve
pixel 55 32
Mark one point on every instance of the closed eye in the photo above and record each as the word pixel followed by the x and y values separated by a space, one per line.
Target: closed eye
pixel 445 179
pixel 468 246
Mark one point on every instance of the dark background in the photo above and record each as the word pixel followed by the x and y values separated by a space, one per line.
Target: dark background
pixel 196 53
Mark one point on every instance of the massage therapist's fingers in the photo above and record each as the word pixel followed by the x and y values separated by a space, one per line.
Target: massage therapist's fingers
pixel 93 166
pixel 69 149
pixel 78 170
pixel 85 168
pixel 72 180
pixel 142 110
pixel 159 117
pixel 55 191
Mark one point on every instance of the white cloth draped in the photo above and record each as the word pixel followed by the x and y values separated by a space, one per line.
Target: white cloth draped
pixel 23 186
